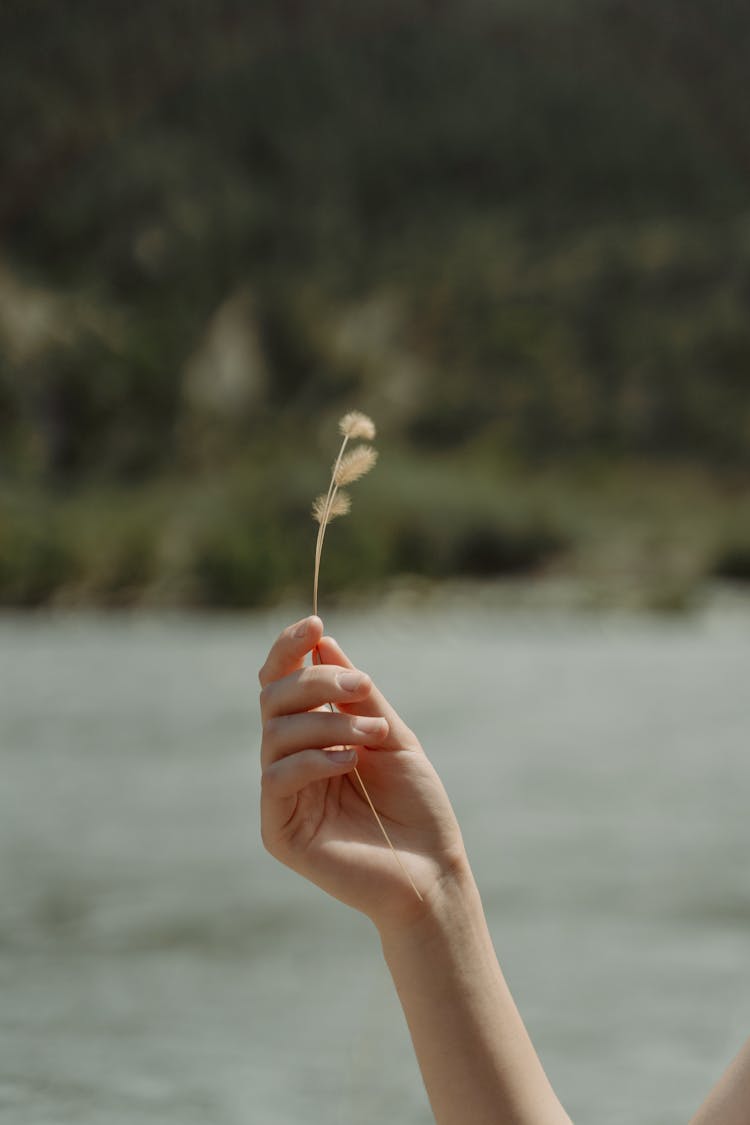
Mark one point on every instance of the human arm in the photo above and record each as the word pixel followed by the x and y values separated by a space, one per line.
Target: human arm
pixel 729 1101
pixel 476 1058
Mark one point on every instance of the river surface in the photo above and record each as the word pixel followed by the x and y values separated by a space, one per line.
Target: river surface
pixel 156 966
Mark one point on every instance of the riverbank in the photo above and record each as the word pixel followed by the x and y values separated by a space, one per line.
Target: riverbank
pixel 634 533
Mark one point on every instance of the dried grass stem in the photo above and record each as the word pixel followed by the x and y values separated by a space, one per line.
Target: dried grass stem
pixel 347 468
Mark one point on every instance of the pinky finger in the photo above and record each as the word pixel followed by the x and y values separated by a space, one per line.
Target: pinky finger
pixel 287 776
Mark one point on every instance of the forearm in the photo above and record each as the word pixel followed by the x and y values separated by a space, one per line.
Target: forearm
pixel 477 1061
pixel 729 1101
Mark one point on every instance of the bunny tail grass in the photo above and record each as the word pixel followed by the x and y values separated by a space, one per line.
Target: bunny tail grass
pixel 355 424
pixel 348 468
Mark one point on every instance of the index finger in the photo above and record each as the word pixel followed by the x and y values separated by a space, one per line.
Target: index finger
pixel 289 650
pixel 375 704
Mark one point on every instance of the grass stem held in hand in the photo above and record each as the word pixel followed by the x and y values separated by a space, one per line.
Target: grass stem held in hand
pixel 348 467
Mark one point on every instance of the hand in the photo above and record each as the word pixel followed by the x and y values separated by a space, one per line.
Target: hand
pixel 314 815
pixel 476 1057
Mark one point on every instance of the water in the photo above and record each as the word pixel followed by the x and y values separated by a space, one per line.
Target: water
pixel 156 966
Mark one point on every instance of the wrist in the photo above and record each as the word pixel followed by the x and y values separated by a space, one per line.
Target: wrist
pixel 477 1060
pixel 451 906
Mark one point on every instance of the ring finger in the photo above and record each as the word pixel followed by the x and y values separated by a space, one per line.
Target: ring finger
pixel 318 730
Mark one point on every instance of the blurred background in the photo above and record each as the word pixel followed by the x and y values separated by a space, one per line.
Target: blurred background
pixel 517 235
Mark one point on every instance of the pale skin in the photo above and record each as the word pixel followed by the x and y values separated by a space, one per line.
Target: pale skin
pixel 476 1058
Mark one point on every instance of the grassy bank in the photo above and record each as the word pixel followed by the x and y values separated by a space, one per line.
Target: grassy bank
pixel 533 274
pixel 244 537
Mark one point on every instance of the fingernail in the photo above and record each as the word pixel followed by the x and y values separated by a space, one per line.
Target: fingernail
pixel 350 681
pixel 302 628
pixel 365 725
pixel 346 755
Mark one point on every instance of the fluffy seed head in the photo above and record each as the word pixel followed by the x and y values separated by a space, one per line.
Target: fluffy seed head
pixel 340 506
pixel 357 425
pixel 355 464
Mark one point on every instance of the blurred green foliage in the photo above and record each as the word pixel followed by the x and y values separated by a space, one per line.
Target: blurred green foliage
pixel 518 234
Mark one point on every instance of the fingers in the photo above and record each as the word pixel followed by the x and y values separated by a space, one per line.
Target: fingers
pixel 311 730
pixel 313 687
pixel 331 653
pixel 289 689
pixel 284 778
pixel 290 648
pixel 372 703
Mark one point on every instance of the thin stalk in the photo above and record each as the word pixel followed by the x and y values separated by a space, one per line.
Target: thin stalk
pixel 330 497
pixel 387 838
pixel 375 813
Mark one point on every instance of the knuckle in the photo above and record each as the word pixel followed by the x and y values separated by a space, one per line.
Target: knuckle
pixel 263 675
pixel 265 691
pixel 310 674
pixel 313 683
pixel 301 678
pixel 269 781
pixel 272 729
pixel 287 641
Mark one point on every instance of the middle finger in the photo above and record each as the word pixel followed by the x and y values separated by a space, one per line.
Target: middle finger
pixel 313 687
